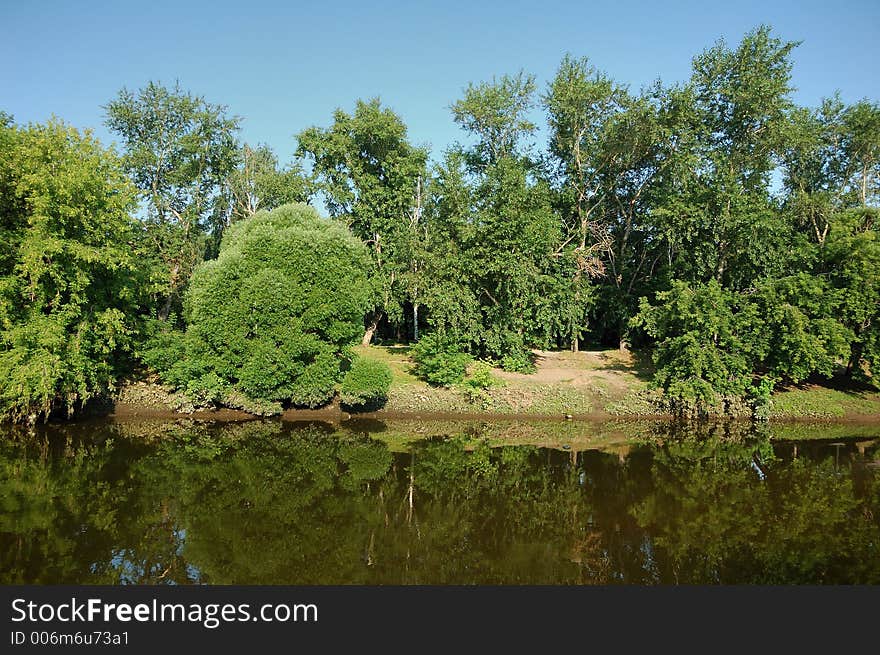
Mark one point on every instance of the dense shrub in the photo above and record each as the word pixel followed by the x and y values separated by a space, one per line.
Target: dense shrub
pixel 439 361
pixel 518 362
pixel 366 383
pixel 270 318
pixel 713 343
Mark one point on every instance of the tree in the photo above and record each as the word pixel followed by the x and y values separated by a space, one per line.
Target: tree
pixel 69 285
pixel 815 168
pixel 861 123
pixel 607 149
pixel 371 177
pixel 257 183
pixel 702 346
pixel 718 215
pixel 496 113
pixel 179 150
pixel 850 261
pixel 270 320
pixel 504 231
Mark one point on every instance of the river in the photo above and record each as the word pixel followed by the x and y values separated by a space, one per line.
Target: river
pixel 439 502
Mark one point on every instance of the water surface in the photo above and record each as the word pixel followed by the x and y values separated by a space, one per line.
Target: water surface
pixel 439 503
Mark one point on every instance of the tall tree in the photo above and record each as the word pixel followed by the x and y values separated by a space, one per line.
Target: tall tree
pixel 861 123
pixel 606 149
pixel 371 176
pixel 69 284
pixel 502 212
pixel 179 150
pixel 719 215
pixel 258 183
pixel 496 113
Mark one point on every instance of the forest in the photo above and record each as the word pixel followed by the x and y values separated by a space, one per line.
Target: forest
pixel 713 224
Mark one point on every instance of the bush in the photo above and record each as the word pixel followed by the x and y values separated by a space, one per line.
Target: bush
pixel 478 382
pixel 480 376
pixel 366 383
pixel 518 362
pixel 269 319
pixel 439 361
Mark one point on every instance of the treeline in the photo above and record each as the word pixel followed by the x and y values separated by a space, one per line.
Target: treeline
pixel 714 221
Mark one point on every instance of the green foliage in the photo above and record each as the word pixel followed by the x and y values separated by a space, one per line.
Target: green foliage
pixel 699 351
pixel 480 376
pixel 496 113
pixel 711 341
pixel 271 317
pixel 439 360
pixel 518 362
pixel 257 183
pixel 69 283
pixel 477 383
pixel 499 289
pixel 179 150
pixel 366 383
pixel 372 178
pixel 654 218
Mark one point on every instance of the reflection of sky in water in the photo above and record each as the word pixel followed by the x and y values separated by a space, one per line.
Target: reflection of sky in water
pixel 129 568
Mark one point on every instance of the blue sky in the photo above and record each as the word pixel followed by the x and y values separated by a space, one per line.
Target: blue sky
pixel 284 66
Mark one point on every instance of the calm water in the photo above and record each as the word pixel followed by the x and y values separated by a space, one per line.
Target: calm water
pixel 439 503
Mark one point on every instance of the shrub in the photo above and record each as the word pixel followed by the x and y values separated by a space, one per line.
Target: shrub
pixel 480 376
pixel 478 382
pixel 518 362
pixel 269 319
pixel 366 383
pixel 439 361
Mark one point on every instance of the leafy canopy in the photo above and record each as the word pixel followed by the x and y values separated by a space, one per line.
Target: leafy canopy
pixel 68 279
pixel 272 317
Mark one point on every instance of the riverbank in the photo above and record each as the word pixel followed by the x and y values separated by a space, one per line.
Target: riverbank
pixel 594 384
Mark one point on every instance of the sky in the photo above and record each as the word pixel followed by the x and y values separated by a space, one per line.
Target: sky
pixel 285 66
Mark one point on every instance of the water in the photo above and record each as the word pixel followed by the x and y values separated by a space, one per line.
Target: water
pixel 439 503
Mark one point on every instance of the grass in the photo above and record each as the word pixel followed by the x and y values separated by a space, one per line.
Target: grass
pixel 594 382
pixel 813 401
pixel 582 383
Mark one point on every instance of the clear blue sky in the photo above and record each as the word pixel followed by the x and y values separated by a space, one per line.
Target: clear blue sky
pixel 284 66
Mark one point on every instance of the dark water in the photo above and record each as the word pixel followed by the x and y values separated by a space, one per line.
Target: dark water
pixel 416 503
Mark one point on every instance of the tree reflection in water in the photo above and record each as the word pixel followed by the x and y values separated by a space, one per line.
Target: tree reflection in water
pixel 275 503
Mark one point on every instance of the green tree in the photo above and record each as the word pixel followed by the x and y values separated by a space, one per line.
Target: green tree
pixel 718 215
pixel 500 271
pixel 179 150
pixel 272 317
pixel 700 351
pixel 850 261
pixel 68 284
pixel 371 177
pixel 607 150
pixel 258 183
pixel 861 123
pixel 496 113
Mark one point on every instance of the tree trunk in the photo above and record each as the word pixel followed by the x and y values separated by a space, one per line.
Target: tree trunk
pixel 575 343
pixel 371 330
pixel 415 321
pixel 855 350
pixel 165 311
